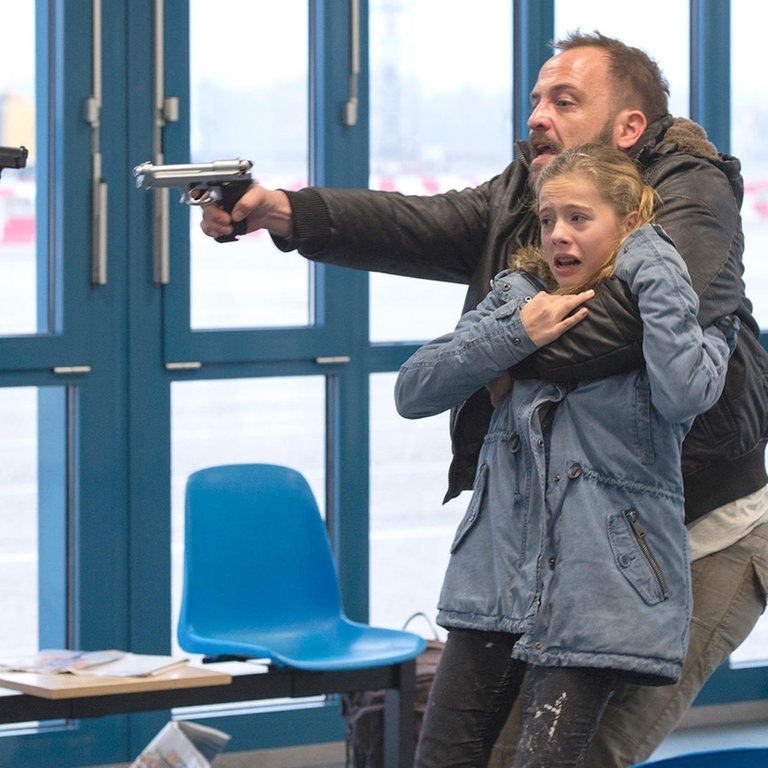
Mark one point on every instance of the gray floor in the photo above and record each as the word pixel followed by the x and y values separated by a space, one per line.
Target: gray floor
pixel 694 738
pixel 708 738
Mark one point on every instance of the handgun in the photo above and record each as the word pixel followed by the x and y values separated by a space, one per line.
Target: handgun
pixel 13 157
pixel 222 182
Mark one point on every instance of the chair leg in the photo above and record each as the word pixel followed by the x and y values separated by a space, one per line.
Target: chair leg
pixel 398 718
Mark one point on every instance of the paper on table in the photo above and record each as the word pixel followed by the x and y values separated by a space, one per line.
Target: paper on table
pixel 55 661
pixel 135 665
pixel 106 663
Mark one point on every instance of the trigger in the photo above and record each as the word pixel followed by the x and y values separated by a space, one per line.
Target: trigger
pixel 209 196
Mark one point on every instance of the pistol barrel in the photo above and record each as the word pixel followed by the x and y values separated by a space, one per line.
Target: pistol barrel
pixel 186 175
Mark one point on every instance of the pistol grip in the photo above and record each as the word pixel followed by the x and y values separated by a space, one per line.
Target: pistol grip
pixel 231 192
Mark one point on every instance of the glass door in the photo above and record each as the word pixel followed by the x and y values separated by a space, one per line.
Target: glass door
pixel 19 315
pixel 257 345
pixel 63 560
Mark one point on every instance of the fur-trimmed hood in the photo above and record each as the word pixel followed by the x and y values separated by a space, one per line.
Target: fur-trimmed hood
pixel 671 136
pixel 690 137
pixel 675 134
pixel 530 259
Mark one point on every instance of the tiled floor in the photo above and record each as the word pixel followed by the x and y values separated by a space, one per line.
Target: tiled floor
pixel 693 738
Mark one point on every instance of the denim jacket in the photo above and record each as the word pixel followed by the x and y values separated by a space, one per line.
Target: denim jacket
pixel 574 536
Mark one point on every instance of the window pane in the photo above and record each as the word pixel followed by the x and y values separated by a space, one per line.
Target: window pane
pixel 19 504
pixel 749 122
pixel 271 420
pixel 440 119
pixel 643 30
pixel 18 286
pixel 251 103
pixel 411 529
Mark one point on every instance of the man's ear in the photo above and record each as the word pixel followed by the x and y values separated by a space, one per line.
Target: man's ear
pixel 629 127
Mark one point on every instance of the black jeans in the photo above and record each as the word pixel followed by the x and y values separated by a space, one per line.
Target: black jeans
pixel 476 683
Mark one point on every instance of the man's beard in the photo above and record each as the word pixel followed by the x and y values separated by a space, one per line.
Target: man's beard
pixel 604 137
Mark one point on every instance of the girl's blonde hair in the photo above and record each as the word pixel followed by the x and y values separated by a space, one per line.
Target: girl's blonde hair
pixel 617 180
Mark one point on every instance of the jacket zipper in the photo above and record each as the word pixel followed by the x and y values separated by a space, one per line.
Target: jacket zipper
pixel 639 533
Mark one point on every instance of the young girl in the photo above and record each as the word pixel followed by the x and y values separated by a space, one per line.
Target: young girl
pixel 570 566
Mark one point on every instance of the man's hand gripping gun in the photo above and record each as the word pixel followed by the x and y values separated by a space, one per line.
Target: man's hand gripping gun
pixel 13 157
pixel 222 182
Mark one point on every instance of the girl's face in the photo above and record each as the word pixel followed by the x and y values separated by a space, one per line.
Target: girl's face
pixel 579 229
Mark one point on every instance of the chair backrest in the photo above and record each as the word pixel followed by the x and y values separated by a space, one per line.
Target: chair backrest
pixel 726 758
pixel 257 555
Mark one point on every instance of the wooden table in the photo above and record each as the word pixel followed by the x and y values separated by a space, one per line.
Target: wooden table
pixel 67 686
pixel 35 697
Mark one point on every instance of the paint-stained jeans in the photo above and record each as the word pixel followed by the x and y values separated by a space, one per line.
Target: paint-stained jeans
pixel 476 684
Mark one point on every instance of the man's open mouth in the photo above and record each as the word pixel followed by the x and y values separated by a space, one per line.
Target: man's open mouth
pixel 544 149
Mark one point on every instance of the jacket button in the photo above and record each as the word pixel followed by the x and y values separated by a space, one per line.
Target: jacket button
pixel 505 287
pixel 552 562
pixel 540 443
pixel 574 471
pixel 557 478
pixel 625 560
pixel 515 444
pixel 537 645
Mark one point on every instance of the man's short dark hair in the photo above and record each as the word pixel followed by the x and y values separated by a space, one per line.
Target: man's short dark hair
pixel 636 74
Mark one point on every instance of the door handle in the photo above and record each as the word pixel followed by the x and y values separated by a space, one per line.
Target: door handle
pixel 92 114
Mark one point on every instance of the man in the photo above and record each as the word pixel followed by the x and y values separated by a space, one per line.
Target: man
pixel 593 89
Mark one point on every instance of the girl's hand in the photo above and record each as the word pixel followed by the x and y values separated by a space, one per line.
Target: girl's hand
pixel 547 316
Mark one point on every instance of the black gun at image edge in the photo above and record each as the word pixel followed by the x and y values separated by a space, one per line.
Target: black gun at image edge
pixel 13 157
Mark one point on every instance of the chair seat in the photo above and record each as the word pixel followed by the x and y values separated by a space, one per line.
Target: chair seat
pixel 340 646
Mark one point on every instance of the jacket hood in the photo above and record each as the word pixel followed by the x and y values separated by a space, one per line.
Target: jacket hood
pixel 677 135
pixel 530 259
pixel 691 137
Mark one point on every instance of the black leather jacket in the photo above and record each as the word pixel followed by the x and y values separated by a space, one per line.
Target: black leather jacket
pixel 466 237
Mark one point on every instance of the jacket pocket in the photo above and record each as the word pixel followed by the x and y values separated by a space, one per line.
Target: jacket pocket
pixel 634 556
pixel 473 510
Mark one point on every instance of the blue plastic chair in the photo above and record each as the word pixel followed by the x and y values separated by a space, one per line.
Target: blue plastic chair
pixel 726 758
pixel 260 580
